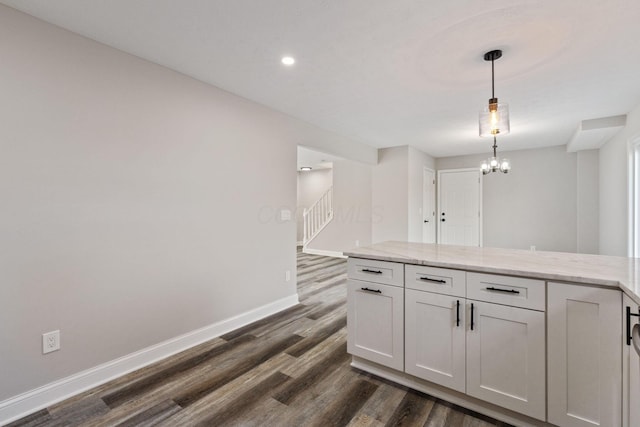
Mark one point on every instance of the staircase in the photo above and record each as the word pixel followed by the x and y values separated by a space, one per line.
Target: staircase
pixel 317 217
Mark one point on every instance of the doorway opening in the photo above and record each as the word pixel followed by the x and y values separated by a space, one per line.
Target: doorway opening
pixel 428 206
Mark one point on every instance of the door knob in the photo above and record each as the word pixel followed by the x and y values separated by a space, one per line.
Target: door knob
pixel 426 220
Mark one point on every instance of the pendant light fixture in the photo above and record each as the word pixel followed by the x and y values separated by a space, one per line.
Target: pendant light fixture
pixel 494 164
pixel 494 119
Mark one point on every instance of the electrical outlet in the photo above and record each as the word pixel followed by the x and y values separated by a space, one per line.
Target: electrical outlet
pixel 357 243
pixel 533 248
pixel 50 342
pixel 287 275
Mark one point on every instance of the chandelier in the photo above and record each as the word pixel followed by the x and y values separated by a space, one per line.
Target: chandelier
pixel 493 164
pixel 494 120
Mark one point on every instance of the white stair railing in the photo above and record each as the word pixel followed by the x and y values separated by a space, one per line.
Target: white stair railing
pixel 317 216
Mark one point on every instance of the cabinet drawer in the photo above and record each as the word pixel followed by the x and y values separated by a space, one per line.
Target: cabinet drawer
pixel 438 280
pixel 387 273
pixel 507 290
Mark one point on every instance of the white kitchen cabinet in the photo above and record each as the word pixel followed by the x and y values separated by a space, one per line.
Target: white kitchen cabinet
pixel 584 336
pixel 631 365
pixel 506 357
pixel 375 321
pixel 435 338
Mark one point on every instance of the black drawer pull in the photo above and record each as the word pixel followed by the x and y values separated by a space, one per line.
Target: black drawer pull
pixel 509 291
pixel 472 316
pixel 377 291
pixel 457 313
pixel 428 279
pixel 366 270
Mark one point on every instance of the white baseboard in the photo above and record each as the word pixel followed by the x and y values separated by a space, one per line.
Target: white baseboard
pixel 24 404
pixel 322 252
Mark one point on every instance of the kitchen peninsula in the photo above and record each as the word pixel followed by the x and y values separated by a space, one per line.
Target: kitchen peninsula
pixel 531 338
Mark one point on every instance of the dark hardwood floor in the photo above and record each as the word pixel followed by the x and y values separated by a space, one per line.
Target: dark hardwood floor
pixel 290 369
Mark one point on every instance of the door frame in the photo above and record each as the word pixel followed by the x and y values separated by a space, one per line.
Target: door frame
pixel 633 196
pixel 426 169
pixel 480 209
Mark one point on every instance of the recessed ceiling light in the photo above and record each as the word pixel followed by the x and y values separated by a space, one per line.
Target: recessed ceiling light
pixel 288 60
pixel 306 168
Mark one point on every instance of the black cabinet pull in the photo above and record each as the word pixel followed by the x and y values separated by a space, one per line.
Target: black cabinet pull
pixel 377 291
pixel 509 291
pixel 457 313
pixel 428 279
pixel 629 314
pixel 472 316
pixel 366 270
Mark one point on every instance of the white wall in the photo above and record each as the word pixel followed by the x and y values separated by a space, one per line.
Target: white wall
pixel 352 209
pixel 138 204
pixel 311 186
pixel 614 230
pixel 535 204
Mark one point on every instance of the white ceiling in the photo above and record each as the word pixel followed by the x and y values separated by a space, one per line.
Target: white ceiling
pixel 385 72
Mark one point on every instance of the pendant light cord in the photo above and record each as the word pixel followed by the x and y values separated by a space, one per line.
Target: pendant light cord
pixel 493 94
pixel 495 146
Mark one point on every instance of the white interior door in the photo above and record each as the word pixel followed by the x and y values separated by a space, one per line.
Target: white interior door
pixel 429 206
pixel 459 207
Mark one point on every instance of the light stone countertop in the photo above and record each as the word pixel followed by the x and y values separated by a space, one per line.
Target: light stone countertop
pixel 608 271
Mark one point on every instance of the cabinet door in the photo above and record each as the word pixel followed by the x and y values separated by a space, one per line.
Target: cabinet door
pixel 435 338
pixel 584 352
pixel 631 368
pixel 375 323
pixel 506 357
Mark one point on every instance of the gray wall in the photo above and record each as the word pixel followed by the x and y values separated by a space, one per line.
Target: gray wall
pixel 390 195
pixel 398 193
pixel 417 161
pixel 588 202
pixel 535 204
pixel 138 204
pixel 352 209
pixel 311 186
pixel 614 187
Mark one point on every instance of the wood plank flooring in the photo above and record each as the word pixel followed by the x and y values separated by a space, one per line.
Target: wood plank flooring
pixel 290 369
